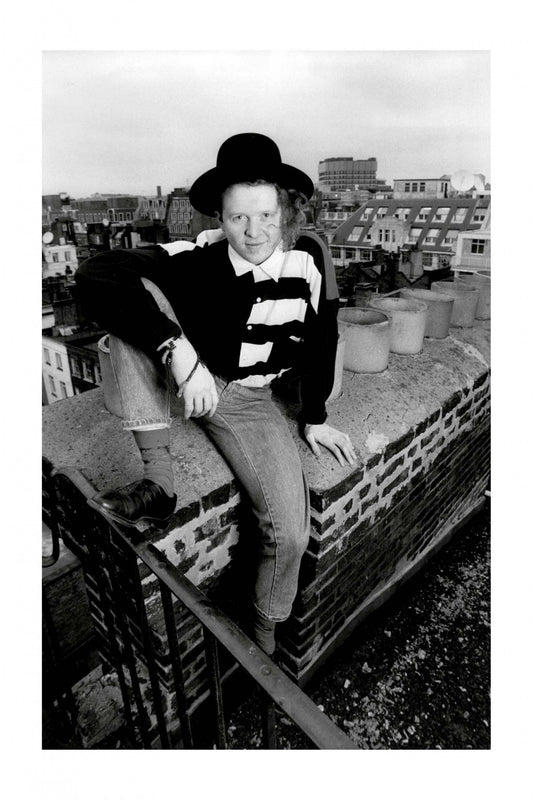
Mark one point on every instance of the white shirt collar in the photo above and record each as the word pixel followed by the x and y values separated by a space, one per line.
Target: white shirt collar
pixel 271 267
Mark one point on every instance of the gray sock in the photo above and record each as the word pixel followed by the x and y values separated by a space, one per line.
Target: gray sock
pixel 154 447
pixel 264 634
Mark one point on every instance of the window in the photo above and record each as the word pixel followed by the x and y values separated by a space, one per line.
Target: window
pixel 415 187
pixel 367 213
pixel 460 214
pixel 365 255
pixel 423 214
pixel 97 374
pixel 335 252
pixel 441 214
pixel 47 356
pixel 59 363
pixel 382 212
pixel 75 367
pixel 414 234
pixel 450 238
pixel 427 260
pixel 478 247
pixel 63 386
pixel 385 235
pixel 407 187
pixel 356 232
pixel 52 385
pixel 479 216
pixel 87 372
pixel 67 255
pixel 349 253
pixel 422 186
pixel 55 257
pixel 432 236
pixel 402 213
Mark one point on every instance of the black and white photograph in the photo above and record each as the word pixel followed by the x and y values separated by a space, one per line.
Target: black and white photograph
pixel 266 399
pixel 267 459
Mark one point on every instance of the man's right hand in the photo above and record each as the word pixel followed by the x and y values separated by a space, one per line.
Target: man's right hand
pixel 199 393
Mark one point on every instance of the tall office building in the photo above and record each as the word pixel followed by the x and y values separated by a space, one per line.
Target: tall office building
pixel 342 174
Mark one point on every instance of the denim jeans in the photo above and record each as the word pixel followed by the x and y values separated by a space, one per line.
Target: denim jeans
pixel 255 440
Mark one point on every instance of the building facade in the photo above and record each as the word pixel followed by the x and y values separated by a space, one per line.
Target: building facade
pixel 346 173
pixel 91 209
pixel 182 220
pixel 178 214
pixel 121 210
pixel 429 229
pixel 84 363
pixel 59 259
pixel 57 383
pixel 473 248
pixel 417 188
pixel 153 207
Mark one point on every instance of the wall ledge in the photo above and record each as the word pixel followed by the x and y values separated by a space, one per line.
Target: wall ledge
pixel 375 410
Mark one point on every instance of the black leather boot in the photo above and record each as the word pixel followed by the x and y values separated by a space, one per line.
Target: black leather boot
pixel 141 501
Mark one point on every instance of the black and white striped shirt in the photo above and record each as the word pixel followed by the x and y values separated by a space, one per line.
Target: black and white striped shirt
pixel 277 312
pixel 249 324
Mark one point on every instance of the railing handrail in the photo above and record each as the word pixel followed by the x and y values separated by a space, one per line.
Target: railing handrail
pixel 278 686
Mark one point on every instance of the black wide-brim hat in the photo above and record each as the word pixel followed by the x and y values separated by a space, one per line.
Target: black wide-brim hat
pixel 245 158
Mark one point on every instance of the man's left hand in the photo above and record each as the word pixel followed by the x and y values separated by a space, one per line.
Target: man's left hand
pixel 336 441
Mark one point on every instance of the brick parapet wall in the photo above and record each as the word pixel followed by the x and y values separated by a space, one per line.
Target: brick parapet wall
pixel 422 434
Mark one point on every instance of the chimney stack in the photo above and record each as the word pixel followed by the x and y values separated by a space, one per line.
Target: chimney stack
pixel 159 191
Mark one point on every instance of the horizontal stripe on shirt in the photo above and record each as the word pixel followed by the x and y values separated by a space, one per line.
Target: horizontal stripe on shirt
pixel 286 283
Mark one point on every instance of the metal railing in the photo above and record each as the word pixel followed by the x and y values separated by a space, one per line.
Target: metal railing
pixel 144 657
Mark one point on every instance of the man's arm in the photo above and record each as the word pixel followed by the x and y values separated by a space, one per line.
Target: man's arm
pixel 319 366
pixel 321 334
pixel 111 293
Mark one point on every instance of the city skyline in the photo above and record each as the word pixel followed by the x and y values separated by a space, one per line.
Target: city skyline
pixel 157 118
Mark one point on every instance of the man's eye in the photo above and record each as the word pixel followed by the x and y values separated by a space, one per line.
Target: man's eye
pixel 239 218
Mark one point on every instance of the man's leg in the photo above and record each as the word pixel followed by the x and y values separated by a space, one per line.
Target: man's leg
pixel 254 438
pixel 145 399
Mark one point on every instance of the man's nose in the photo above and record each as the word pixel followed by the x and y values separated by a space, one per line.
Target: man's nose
pixel 252 228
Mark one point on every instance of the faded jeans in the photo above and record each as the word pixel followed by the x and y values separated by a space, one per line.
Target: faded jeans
pixel 253 436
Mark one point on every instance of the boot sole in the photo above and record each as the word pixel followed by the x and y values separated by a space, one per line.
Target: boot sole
pixel 129 523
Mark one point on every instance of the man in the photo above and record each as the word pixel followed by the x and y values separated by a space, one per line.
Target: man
pixel 226 319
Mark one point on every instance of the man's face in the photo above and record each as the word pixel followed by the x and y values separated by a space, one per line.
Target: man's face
pixel 251 220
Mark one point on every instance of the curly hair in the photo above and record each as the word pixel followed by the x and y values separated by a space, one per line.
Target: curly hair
pixel 292 216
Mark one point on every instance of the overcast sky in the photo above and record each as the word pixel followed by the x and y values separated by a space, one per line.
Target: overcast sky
pixel 129 121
